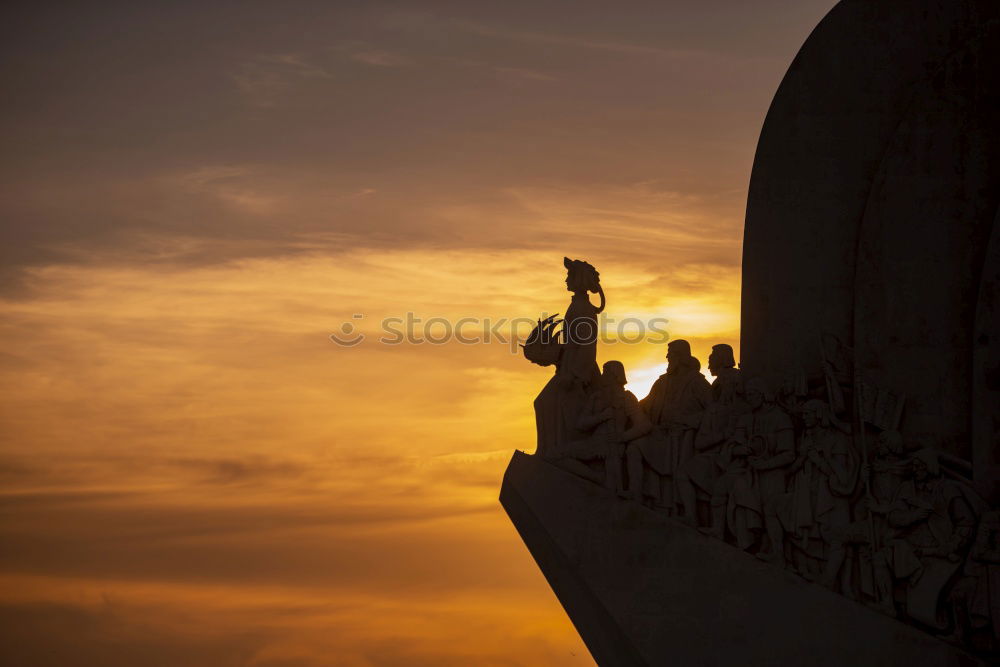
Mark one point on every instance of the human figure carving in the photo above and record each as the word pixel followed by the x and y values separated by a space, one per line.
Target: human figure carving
pixel 932 521
pixel 558 405
pixel 612 419
pixel 579 357
pixel 697 475
pixel 754 462
pixel 817 503
pixel 885 475
pixel 975 599
pixel 674 406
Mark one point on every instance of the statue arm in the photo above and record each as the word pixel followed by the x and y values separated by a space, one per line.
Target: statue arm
pixel 778 461
pixel 590 418
pixel 844 478
pixel 600 292
pixel 706 439
pixel 639 422
pixel 638 430
pixel 786 450
pixel 797 464
pixel 900 516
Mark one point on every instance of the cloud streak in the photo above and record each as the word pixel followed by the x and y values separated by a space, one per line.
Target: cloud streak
pixel 194 198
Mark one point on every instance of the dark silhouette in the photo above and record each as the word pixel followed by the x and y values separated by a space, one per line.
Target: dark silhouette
pixel 674 406
pixel 892 531
pixel 558 405
pixel 863 451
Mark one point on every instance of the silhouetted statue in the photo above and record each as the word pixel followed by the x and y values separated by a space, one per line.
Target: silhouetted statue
pixel 697 476
pixel 754 463
pixel 612 419
pixel 817 503
pixel 579 357
pixel 674 405
pixel 558 405
pixel 780 474
pixel 810 469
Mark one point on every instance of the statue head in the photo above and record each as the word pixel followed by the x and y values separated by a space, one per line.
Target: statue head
pixel 758 393
pixel 720 358
pixel 614 373
pixel 678 355
pixel 815 413
pixel 581 276
pixel 889 443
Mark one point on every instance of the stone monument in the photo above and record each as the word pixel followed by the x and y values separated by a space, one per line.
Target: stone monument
pixel 832 499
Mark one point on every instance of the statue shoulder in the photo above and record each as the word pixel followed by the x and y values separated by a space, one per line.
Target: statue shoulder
pixel 658 385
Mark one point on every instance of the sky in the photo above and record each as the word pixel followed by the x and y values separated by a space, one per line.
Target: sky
pixel 195 196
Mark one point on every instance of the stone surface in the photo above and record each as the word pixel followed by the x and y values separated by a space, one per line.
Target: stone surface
pixel 642 589
pixel 872 204
pixel 873 219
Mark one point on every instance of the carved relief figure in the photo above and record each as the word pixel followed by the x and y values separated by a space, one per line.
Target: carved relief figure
pixel 560 402
pixel 612 420
pixel 817 502
pixel 779 474
pixel 674 407
pixel 696 477
pixel 754 463
pixel 975 599
pixel 883 476
pixel 932 522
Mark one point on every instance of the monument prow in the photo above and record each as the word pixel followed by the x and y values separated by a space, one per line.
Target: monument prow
pixel 644 589
pixel 855 447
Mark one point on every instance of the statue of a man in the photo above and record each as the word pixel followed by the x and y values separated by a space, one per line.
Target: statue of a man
pixel 718 424
pixel 754 462
pixel 612 419
pixel 818 499
pixel 674 407
pixel 975 599
pixel 932 521
pixel 885 476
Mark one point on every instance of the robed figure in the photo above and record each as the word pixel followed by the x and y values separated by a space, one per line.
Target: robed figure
pixel 560 403
pixel 674 406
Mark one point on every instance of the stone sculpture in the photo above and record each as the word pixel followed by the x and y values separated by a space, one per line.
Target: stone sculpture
pixel 894 530
pixel 674 405
pixel 870 283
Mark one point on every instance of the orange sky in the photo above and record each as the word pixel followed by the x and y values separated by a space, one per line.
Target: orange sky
pixel 194 199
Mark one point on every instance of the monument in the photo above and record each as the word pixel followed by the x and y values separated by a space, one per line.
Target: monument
pixel 833 498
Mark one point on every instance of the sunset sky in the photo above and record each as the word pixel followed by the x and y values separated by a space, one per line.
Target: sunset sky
pixel 194 196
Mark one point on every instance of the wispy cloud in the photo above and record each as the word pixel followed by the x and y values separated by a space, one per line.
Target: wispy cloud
pixel 267 79
pixel 573 41
pixel 523 73
pixel 374 56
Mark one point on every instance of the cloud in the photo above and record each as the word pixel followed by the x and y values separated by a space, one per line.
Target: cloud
pixel 368 54
pixel 113 636
pixel 193 473
pixel 268 79
pixel 573 41
pixel 521 73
